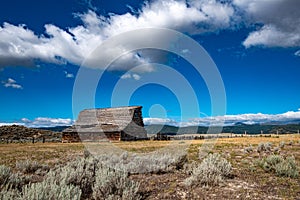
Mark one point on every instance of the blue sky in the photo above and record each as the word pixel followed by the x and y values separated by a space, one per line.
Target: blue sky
pixel 254 44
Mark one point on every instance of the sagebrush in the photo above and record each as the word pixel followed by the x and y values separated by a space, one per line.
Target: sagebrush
pixel 211 171
pixel 100 177
pixel 286 167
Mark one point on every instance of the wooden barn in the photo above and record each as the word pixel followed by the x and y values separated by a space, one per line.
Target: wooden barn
pixel 120 123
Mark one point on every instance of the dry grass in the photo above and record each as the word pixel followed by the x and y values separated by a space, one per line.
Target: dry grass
pixel 47 153
pixel 51 153
pixel 142 146
pixel 248 182
pixel 254 139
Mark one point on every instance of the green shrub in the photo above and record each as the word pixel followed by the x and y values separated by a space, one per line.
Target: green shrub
pixel 156 162
pixel 264 147
pixel 80 173
pixel 282 144
pixel 97 180
pixel 271 161
pixel 28 166
pixel 5 173
pixel 189 167
pixel 248 149
pixel 9 180
pixel 276 150
pixel 51 188
pixel 10 195
pixel 288 168
pixel 211 171
pixel 102 177
pixel 277 164
pixel 16 181
pixel 274 159
pixel 111 184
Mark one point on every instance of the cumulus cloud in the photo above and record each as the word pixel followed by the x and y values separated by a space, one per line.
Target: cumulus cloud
pixel 162 121
pixel 229 120
pixel 41 122
pixel 46 122
pixel 258 118
pixel 12 84
pixel 10 124
pixel 279 20
pixel 21 46
pixel 271 36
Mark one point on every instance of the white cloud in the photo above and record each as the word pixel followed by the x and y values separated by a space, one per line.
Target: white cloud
pixel 69 75
pixel 297 53
pixel 41 122
pixel 271 36
pixel 166 121
pixel 47 122
pixel 185 51
pixel 25 120
pixel 44 121
pixel 136 77
pixel 126 76
pixel 279 23
pixel 21 46
pixel 280 20
pixel 10 124
pixel 228 120
pixel 131 76
pixel 12 83
pixel 176 15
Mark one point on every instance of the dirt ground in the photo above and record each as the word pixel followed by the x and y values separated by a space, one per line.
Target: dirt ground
pixel 248 181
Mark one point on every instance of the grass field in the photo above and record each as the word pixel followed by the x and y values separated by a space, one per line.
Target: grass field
pixel 248 180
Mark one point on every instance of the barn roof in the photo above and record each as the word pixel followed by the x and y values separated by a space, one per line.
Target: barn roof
pixel 115 108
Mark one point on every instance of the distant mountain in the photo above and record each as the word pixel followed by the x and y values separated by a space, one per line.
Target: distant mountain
pixel 295 121
pixel 173 130
pixel 262 128
pixel 238 128
pixel 240 124
pixel 155 128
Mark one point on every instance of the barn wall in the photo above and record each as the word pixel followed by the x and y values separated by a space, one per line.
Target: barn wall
pixel 70 137
pixel 99 136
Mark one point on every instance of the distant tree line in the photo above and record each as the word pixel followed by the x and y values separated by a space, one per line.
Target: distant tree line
pixel 236 129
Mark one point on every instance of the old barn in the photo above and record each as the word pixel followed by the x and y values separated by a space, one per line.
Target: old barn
pixel 119 123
